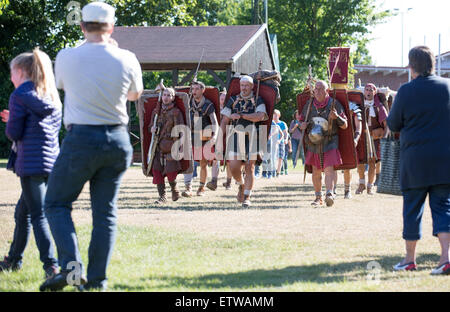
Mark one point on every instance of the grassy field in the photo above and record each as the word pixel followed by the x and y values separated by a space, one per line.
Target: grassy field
pixel 281 243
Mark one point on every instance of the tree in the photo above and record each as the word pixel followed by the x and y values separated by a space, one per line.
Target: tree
pixel 25 25
pixel 306 28
pixel 48 24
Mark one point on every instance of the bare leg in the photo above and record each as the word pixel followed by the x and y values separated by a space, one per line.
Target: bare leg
pixel 329 179
pixel 362 180
pixel 249 176
pixel 347 184
pixel 229 175
pixel 317 182
pixel 203 171
pixel 410 252
pixel 371 173
pixel 317 179
pixel 235 167
pixel 361 171
pixel 203 176
pixel 330 174
pixel 280 162
pixel 347 177
pixel 444 240
pixel 236 171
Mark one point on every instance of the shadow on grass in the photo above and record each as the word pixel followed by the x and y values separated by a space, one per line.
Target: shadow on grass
pixel 219 206
pixel 322 273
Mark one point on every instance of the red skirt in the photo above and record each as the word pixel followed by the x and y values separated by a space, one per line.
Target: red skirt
pixel 330 159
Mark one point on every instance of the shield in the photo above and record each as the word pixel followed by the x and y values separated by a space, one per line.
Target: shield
pixel 346 146
pixel 146 104
pixel 358 97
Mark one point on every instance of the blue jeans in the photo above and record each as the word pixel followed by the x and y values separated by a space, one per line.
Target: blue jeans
pixel 194 172
pixel 295 146
pixel 30 211
pixel 284 167
pixel 413 208
pixel 100 155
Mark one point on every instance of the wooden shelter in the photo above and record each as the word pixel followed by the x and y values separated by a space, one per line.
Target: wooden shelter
pixel 231 49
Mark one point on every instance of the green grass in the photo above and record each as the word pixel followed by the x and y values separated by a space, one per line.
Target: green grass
pixel 213 244
pixel 155 259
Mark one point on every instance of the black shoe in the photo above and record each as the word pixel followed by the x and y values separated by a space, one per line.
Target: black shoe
pixel 347 195
pixel 91 287
pixel 51 272
pixel 58 282
pixel 9 265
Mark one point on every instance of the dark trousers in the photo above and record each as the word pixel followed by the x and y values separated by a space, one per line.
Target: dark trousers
pixel 413 208
pixel 30 212
pixel 100 155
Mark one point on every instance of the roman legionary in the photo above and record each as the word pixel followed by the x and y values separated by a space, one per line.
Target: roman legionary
pixel 164 165
pixel 204 130
pixel 243 149
pixel 375 128
pixel 321 122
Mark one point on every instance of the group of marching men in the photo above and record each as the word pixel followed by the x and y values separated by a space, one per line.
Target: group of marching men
pixel 242 151
pixel 323 154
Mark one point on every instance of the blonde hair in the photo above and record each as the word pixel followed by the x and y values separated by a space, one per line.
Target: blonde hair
pixel 38 68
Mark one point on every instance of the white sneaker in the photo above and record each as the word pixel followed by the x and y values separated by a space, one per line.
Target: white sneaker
pixel 412 266
pixel 442 270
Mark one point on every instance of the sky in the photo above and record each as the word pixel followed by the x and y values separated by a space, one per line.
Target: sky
pixel 422 23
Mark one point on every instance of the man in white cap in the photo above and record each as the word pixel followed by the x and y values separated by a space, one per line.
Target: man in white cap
pixel 98 78
pixel 246 114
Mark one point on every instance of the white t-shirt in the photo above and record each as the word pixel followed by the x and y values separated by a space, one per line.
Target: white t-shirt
pixel 96 79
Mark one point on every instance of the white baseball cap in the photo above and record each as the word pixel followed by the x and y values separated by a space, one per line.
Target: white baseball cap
pixel 98 12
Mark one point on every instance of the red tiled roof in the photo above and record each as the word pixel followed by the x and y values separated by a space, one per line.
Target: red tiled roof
pixel 156 44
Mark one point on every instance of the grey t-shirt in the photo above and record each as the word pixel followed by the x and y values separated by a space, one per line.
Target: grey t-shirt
pixel 96 79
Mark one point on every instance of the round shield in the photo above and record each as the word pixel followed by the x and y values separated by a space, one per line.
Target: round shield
pixel 322 122
pixel 316 135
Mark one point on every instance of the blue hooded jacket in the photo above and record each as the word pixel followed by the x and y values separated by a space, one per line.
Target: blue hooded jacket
pixel 34 125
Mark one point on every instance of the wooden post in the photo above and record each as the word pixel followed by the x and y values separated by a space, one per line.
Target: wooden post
pixel 216 77
pixel 229 75
pixel 175 77
pixel 187 78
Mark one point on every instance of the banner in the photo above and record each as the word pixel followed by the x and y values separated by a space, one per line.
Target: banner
pixel 338 64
